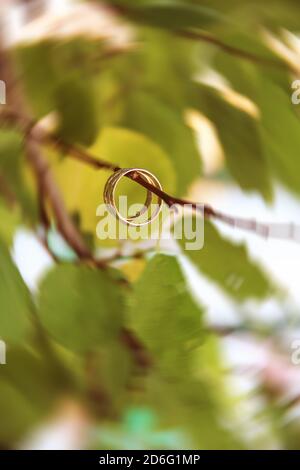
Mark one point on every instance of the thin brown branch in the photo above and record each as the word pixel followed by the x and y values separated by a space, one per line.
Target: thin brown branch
pixel 208 38
pixel 7 192
pixel 288 231
pixel 237 52
pixel 283 231
pixel 45 181
pixel 138 350
pixel 48 187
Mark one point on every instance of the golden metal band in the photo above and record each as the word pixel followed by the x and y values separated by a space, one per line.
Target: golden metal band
pixel 109 195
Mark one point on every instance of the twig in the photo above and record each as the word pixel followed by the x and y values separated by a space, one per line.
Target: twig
pixel 126 11
pixel 138 350
pixel 46 183
pixel 235 51
pixel 7 193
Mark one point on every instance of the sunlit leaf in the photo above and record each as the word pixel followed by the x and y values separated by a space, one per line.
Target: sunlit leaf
pixel 166 126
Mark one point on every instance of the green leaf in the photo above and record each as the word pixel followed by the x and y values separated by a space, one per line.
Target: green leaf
pixel 80 307
pixel 239 134
pixel 10 219
pixel 76 104
pixel 111 368
pixel 190 405
pixel 53 79
pixel 281 133
pixel 229 265
pixel 14 171
pixel 31 375
pixel 242 73
pixel 16 304
pixel 175 15
pixel 17 414
pixel 249 14
pixel 164 314
pixel 166 126
pixel 167 64
pixel 279 123
pixel 28 388
pixel 39 75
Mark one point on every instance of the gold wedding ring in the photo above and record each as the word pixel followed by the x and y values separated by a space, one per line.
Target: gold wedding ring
pixel 109 196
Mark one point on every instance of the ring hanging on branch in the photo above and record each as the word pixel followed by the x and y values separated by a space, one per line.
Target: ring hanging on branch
pixel 109 196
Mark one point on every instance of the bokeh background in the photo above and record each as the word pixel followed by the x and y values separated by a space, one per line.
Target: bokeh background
pixel 133 345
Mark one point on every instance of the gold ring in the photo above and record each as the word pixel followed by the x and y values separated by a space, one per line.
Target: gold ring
pixel 109 195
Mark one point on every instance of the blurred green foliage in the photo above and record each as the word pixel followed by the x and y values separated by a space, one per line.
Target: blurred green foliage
pixel 129 107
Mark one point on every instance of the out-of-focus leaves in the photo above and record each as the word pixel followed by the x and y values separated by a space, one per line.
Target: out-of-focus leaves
pixel 240 137
pixel 229 265
pixel 39 75
pixel 243 73
pixel 18 415
pixel 166 126
pixel 279 123
pixel 10 219
pixel 188 403
pixel 13 170
pixel 281 133
pixel 78 113
pixel 174 15
pixel 80 307
pixel 59 84
pixel 166 64
pixel 164 314
pixel 110 369
pixel 31 375
pixel 28 388
pixel 16 304
pixel 145 91
pixel 169 322
pixel 249 13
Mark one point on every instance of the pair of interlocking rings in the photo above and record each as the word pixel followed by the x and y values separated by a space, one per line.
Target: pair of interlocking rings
pixel 109 196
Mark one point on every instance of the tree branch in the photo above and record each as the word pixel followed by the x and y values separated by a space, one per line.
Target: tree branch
pixel 39 164
pixel 126 11
pixel 7 193
pixel 284 231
